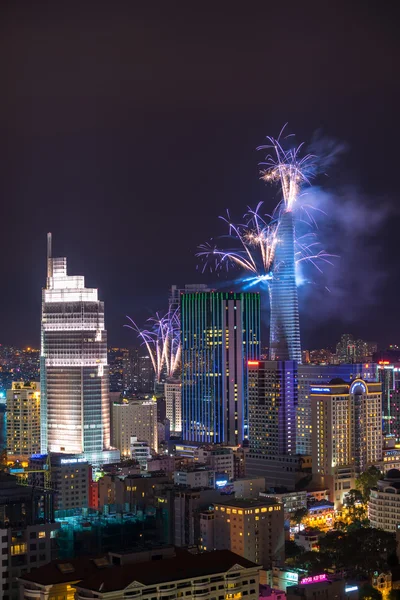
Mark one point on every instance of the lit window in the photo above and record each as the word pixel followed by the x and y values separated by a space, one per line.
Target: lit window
pixel 42 534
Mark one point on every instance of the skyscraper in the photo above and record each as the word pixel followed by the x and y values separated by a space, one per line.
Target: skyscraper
pixel 317 375
pixel 272 407
pixel 220 333
pixel 346 432
pixel 273 394
pixel 75 417
pixel 284 320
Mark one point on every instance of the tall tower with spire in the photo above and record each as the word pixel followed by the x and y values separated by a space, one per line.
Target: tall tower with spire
pixel 75 415
pixel 284 316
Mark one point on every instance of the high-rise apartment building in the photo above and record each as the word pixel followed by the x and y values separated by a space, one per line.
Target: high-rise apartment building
pixel 351 350
pixel 23 420
pixel 75 414
pixel 284 341
pixel 220 333
pixel 313 376
pixel 135 418
pixel 347 432
pixel 173 402
pixel 272 392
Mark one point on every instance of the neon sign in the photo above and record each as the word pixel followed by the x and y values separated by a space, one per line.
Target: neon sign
pixel 253 363
pixel 315 579
pixel 351 588
pixel 320 389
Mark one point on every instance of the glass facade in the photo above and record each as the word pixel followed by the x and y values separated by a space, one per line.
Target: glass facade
pixel 284 320
pixel 75 416
pixel 220 333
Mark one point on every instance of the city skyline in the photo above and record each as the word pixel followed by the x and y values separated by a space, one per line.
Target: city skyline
pixel 66 164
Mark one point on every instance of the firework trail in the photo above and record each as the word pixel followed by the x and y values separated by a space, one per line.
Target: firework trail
pixel 251 246
pixel 163 342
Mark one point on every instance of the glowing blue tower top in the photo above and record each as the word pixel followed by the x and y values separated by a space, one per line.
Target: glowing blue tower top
pixel 284 319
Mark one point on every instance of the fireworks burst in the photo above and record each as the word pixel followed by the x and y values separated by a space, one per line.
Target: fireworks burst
pixel 287 168
pixel 252 244
pixel 163 342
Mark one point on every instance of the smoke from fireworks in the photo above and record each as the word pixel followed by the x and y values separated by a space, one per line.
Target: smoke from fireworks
pixel 163 342
pixel 252 244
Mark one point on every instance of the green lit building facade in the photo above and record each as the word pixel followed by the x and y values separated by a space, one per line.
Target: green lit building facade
pixel 220 334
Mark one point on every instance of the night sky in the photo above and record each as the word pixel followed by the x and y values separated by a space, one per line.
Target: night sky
pixel 127 128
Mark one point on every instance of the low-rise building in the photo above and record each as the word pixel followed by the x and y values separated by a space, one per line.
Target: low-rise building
pixel 195 476
pixel 189 576
pixel 384 502
pixel 27 532
pixel 308 539
pixel 292 501
pixel 322 586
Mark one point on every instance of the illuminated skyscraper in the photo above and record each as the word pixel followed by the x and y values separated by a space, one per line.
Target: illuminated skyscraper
pixel 75 414
pixel 220 332
pixel 284 320
pixel 346 432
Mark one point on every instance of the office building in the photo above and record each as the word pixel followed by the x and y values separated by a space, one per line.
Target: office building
pixel 347 433
pixel 284 342
pixel 272 394
pixel 173 402
pixel 187 506
pixel 272 407
pixel 23 420
pixel 116 359
pixel 384 502
pixel 253 529
pixel 318 375
pixel 220 333
pixel 69 477
pixel 145 375
pixel 27 532
pixel 134 418
pixel 75 414
pixel 388 374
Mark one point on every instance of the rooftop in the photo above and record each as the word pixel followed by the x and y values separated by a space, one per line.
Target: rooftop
pixel 184 566
pixel 248 502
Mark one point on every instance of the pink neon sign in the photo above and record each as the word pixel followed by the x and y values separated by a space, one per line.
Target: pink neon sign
pixel 314 579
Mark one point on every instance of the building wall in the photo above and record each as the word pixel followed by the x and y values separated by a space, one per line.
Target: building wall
pixel 248 487
pixel 317 375
pixel 23 420
pixel 272 407
pixel 137 418
pixel 75 415
pixel 255 532
pixel 284 343
pixel 173 399
pixel 220 332
pixel 347 426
